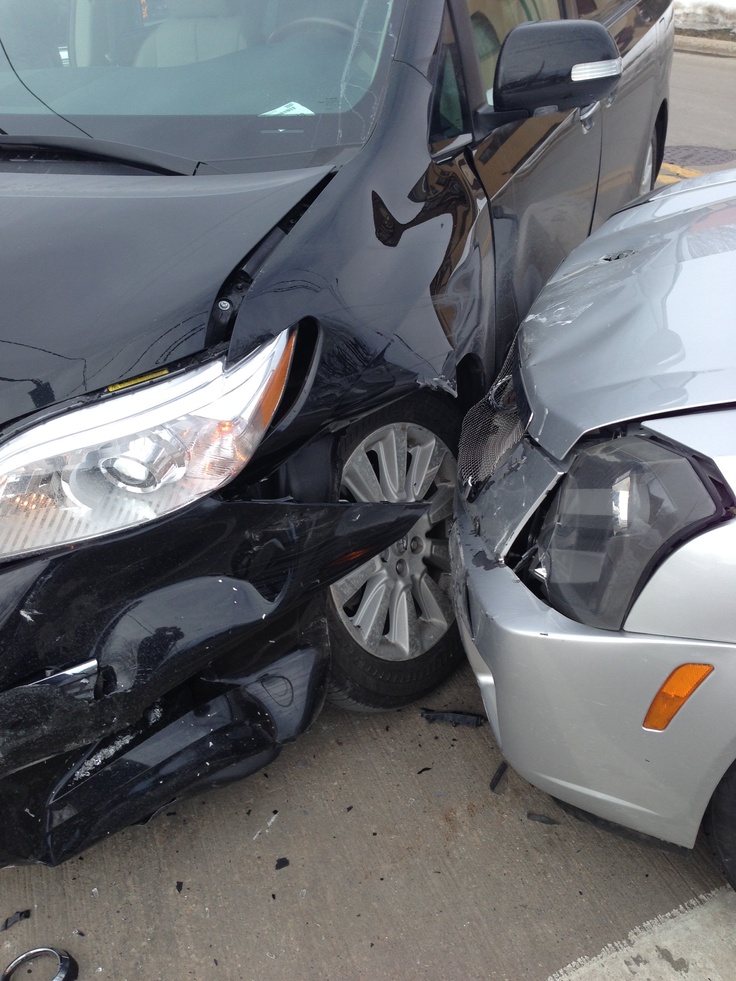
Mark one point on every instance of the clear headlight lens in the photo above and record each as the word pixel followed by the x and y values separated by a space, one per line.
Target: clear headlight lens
pixel 139 455
pixel 620 506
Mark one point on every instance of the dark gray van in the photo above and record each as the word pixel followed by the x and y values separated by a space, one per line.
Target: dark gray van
pixel 258 255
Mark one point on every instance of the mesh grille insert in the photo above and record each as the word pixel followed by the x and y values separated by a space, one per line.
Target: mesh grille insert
pixel 490 428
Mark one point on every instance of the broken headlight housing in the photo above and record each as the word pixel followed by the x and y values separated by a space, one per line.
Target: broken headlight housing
pixel 620 508
pixel 139 455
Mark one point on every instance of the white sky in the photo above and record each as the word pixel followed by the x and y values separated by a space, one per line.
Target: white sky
pixel 705 14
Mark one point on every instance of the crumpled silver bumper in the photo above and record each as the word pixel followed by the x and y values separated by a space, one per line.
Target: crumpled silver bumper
pixel 566 702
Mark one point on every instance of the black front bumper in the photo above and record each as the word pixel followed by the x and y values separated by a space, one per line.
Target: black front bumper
pixel 176 657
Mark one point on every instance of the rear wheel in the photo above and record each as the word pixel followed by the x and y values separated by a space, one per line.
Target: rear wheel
pixel 392 625
pixel 651 164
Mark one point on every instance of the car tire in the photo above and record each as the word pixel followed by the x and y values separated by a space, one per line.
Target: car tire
pixel 720 824
pixel 393 634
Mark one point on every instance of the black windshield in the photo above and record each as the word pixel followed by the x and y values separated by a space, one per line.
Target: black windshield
pixel 206 79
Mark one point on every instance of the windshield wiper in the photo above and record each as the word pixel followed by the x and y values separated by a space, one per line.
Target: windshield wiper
pixel 105 151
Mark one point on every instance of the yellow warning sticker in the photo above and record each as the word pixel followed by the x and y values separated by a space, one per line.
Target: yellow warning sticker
pixel 137 381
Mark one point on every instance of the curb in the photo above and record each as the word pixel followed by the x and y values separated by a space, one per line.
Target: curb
pixel 705 45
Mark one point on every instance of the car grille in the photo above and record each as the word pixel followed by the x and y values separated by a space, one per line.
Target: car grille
pixel 490 428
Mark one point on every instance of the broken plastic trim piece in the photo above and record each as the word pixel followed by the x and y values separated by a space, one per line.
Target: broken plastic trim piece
pixel 21 914
pixel 470 719
pixel 78 681
pixel 541 818
pixel 498 776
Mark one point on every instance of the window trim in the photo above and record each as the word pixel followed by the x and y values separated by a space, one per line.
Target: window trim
pixel 466 136
pixel 470 63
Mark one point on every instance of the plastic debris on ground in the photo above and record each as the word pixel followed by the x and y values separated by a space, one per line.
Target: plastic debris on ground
pixel 22 914
pixel 470 719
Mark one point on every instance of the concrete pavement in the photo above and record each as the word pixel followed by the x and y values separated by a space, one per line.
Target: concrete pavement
pixel 705 45
pixel 372 850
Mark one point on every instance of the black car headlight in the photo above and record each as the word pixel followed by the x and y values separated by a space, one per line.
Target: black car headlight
pixel 138 455
pixel 620 508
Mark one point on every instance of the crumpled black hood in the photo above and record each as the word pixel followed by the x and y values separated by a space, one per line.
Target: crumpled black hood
pixel 104 278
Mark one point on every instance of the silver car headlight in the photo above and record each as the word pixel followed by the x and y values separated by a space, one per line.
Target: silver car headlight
pixel 138 455
pixel 622 505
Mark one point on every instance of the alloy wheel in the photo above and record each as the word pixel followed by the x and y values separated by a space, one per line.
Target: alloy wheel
pixel 398 605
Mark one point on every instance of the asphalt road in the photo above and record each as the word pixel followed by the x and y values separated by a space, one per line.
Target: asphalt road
pixel 374 849
pixel 702 127
pixel 703 92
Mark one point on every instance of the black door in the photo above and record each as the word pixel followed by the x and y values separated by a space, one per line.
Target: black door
pixel 540 175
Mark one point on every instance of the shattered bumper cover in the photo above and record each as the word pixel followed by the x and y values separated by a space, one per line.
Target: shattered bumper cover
pixel 566 701
pixel 170 659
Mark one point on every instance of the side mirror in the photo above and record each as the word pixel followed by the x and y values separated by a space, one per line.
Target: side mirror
pixel 560 65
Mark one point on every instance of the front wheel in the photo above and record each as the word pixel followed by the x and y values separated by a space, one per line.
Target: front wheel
pixel 720 824
pixel 392 625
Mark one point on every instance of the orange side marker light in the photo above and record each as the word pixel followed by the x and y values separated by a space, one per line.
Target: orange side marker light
pixel 277 383
pixel 674 693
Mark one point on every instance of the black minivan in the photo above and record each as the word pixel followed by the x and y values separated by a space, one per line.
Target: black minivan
pixel 258 256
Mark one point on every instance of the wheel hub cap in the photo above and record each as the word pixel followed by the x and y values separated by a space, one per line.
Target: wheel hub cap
pixel 398 605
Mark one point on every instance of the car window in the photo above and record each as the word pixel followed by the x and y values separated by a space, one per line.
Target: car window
pixel 492 20
pixel 450 117
pixel 202 78
pixel 598 9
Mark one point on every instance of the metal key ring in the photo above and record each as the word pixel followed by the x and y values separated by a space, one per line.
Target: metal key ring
pixel 68 969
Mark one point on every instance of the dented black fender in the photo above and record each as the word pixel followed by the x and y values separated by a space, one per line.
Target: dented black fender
pixel 83 316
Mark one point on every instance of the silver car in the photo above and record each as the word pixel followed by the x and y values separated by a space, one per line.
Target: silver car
pixel 595 540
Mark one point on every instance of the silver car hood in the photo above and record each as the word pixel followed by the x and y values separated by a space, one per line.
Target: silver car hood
pixel 640 320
